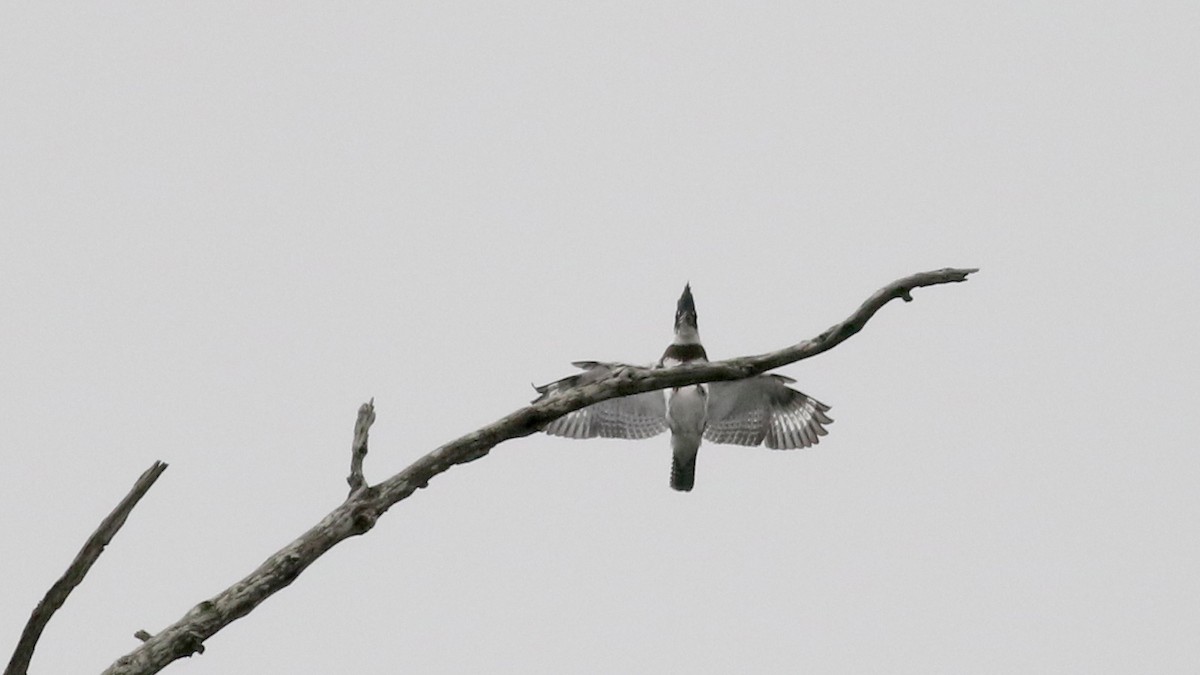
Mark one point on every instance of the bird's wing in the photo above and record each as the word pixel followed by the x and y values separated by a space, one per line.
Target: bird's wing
pixel 764 409
pixel 637 416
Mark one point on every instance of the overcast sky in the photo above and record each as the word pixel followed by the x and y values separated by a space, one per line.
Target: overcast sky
pixel 223 226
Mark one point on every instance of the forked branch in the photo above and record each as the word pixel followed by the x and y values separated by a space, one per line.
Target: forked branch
pixel 366 503
pixel 77 570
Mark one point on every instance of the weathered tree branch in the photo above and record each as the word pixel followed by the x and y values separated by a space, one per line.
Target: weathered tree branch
pixel 77 570
pixel 366 504
pixel 366 417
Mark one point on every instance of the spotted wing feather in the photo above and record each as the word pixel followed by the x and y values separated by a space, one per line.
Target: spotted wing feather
pixel 634 417
pixel 764 410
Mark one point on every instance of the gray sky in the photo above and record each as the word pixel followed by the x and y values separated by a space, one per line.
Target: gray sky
pixel 226 226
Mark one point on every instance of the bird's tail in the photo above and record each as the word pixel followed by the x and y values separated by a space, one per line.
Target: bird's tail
pixel 683 473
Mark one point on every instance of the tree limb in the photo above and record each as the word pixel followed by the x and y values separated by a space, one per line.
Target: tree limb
pixel 366 504
pixel 77 570
pixel 358 451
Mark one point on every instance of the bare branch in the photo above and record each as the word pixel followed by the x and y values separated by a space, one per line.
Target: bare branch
pixel 365 505
pixel 78 569
pixel 366 417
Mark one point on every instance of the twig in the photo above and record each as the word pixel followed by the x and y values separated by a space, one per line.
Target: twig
pixel 87 556
pixel 362 427
pixel 363 507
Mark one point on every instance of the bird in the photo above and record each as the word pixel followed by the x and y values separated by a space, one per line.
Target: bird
pixel 757 410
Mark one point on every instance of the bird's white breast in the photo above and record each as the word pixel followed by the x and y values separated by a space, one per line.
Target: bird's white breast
pixel 687 410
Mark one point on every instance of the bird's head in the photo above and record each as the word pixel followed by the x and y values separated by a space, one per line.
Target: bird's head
pixel 685 311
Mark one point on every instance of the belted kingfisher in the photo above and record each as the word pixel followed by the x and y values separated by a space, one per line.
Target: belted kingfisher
pixel 748 412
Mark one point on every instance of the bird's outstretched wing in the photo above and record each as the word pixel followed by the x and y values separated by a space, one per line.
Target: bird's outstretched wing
pixel 764 409
pixel 637 416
